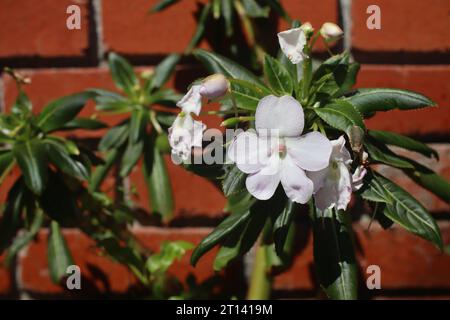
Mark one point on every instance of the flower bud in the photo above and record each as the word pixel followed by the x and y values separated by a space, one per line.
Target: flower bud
pixel 331 32
pixel 214 86
pixel 307 28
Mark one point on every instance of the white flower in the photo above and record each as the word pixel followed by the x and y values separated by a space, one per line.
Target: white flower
pixel 331 32
pixel 277 152
pixel 333 186
pixel 292 43
pixel 192 101
pixel 184 134
pixel 214 86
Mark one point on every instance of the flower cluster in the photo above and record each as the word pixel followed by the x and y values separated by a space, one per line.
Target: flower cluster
pixel 278 151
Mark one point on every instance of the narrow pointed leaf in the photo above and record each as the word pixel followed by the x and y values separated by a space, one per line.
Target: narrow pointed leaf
pixel 31 158
pixel 59 256
pixel 368 101
pixel 278 77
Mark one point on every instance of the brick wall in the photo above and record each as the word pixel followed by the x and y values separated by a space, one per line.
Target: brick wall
pixel 411 51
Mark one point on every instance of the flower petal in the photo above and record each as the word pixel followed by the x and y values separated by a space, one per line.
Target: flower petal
pixel 249 152
pixel 357 178
pixel 311 151
pixel 298 187
pixel 336 191
pixel 340 152
pixel 292 43
pixel 192 101
pixel 279 116
pixel 318 178
pixel 262 184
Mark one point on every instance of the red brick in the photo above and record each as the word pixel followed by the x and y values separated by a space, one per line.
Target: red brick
pixel 38 29
pixel 406 261
pixel 431 81
pixel 6 285
pixel 315 12
pixel 442 167
pixel 406 25
pixel 194 196
pixel 129 28
pixel 114 278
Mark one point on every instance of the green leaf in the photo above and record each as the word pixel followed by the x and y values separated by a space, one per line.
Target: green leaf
pixel 234 181
pixel 404 142
pixel 216 63
pixel 200 30
pixel 227 226
pixel 60 157
pixel 241 240
pixel 131 156
pixel 288 65
pixel 337 74
pixel 281 228
pixel 340 115
pixel 101 171
pixel 6 164
pixel 31 158
pixel 402 208
pixel 168 254
pixel 22 105
pixel 115 137
pixel 158 182
pixel 163 71
pixel 383 154
pixel 247 94
pixel 123 74
pixel 334 255
pixel 254 10
pixel 163 4
pixel 228 16
pixel 59 257
pixel 23 239
pixel 84 123
pixel 59 112
pixel 277 76
pixel 11 220
pixel 430 180
pixel 368 101
pixel 137 124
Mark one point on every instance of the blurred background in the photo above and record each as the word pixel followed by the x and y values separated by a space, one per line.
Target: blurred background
pixel 411 51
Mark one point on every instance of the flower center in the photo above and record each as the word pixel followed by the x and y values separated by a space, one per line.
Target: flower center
pixel 282 150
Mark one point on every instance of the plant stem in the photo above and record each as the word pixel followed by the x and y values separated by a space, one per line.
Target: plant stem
pixel 260 281
pixel 260 285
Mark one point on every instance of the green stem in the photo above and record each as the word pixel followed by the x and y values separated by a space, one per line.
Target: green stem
pixel 260 285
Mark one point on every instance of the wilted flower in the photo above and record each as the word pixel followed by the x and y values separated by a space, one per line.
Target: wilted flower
pixel 292 42
pixel 192 101
pixel 277 152
pixel 184 134
pixel 333 186
pixel 331 32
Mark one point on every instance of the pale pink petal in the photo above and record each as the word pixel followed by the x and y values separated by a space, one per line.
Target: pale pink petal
pixel 298 187
pixel 358 178
pixel 263 184
pixel 282 116
pixel 249 152
pixel 311 151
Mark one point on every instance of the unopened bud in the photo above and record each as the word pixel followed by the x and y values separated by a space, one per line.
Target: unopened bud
pixel 331 32
pixel 214 86
pixel 307 28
